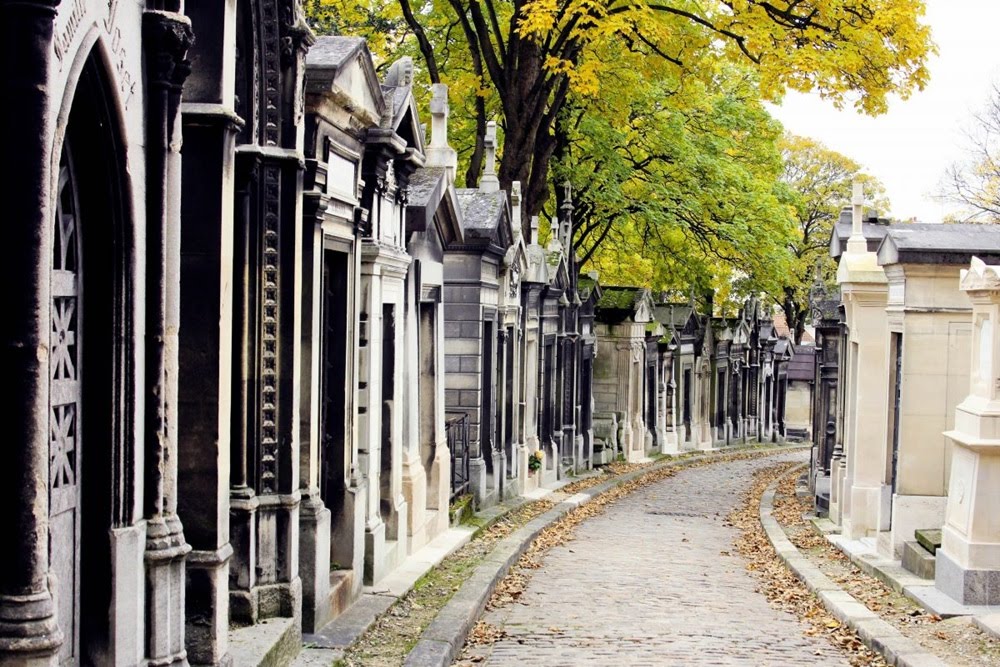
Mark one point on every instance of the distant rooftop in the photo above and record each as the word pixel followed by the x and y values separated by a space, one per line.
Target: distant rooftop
pixel 801 366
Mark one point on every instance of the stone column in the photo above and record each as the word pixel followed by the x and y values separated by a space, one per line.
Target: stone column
pixel 242 498
pixel 166 38
pixel 370 410
pixel 838 461
pixel 29 633
pixel 968 562
pixel 439 474
pixel 414 475
pixel 206 316
pixel 314 517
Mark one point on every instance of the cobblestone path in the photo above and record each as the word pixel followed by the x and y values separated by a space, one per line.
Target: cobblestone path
pixel 653 582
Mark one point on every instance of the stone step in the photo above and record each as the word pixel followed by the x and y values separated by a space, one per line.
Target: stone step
pixel 918 560
pixel 341 591
pixel 272 642
pixel 929 538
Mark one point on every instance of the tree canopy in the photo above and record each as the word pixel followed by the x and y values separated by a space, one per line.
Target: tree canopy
pixel 974 182
pixel 819 182
pixel 524 60
pixel 653 110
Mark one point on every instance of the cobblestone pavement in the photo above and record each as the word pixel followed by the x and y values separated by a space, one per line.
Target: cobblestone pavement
pixel 652 582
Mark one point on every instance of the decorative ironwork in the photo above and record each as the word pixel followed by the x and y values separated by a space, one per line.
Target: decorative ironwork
pixel 457 432
pixel 64 393
pixel 63 338
pixel 62 446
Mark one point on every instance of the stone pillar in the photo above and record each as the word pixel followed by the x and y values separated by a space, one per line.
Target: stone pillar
pixel 206 316
pixel 29 633
pixel 838 462
pixel 439 474
pixel 242 498
pixel 968 562
pixel 166 38
pixel 414 476
pixel 314 517
pixel 867 502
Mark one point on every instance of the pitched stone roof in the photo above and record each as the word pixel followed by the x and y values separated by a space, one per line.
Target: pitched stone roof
pixel 481 211
pixel 424 184
pixel 333 51
pixel 620 302
pixel 672 314
pixel 927 243
pixel 874 233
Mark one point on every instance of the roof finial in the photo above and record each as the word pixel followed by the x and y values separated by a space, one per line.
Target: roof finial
pixel 439 153
pixel 490 182
pixel 566 207
pixel 515 208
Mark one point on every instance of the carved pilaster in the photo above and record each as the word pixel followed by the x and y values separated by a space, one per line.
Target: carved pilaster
pixel 166 39
pixel 374 172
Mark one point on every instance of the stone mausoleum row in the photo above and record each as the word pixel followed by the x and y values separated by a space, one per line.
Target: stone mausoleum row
pixel 260 341
pixel 906 454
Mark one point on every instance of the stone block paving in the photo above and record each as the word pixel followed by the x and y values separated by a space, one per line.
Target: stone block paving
pixel 655 581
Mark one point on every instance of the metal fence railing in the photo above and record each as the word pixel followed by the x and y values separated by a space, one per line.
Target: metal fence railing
pixel 457 429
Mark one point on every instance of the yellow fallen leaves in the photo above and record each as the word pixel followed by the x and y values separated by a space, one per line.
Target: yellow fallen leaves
pixel 782 588
pixel 483 634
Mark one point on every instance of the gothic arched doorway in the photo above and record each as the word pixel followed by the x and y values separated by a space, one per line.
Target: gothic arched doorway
pixel 90 374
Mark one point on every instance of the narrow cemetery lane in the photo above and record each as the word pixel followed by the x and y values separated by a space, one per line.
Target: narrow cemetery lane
pixel 655 581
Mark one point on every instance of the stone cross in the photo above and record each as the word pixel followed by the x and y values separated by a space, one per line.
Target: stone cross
pixel 490 182
pixel 555 237
pixel 439 153
pixel 857 243
pixel 534 230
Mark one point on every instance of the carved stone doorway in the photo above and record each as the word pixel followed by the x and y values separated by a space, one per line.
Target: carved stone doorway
pixel 89 480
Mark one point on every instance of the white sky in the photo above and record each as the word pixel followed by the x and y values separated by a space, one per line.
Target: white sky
pixel 909 147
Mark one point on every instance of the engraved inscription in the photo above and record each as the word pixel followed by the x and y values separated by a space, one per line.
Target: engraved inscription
pixel 126 84
pixel 67 31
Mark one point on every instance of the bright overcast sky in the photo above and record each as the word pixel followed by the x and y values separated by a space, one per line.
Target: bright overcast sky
pixel 909 147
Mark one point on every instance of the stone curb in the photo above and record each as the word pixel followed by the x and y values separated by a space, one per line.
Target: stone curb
pixel 876 633
pixel 441 641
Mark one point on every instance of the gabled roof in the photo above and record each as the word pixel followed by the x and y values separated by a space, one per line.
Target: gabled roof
pixel 485 218
pixel 401 113
pixel 872 226
pixel 431 198
pixel 588 286
pixel 673 314
pixel 333 51
pixel 343 67
pixel 618 303
pixel 538 268
pixel 924 243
